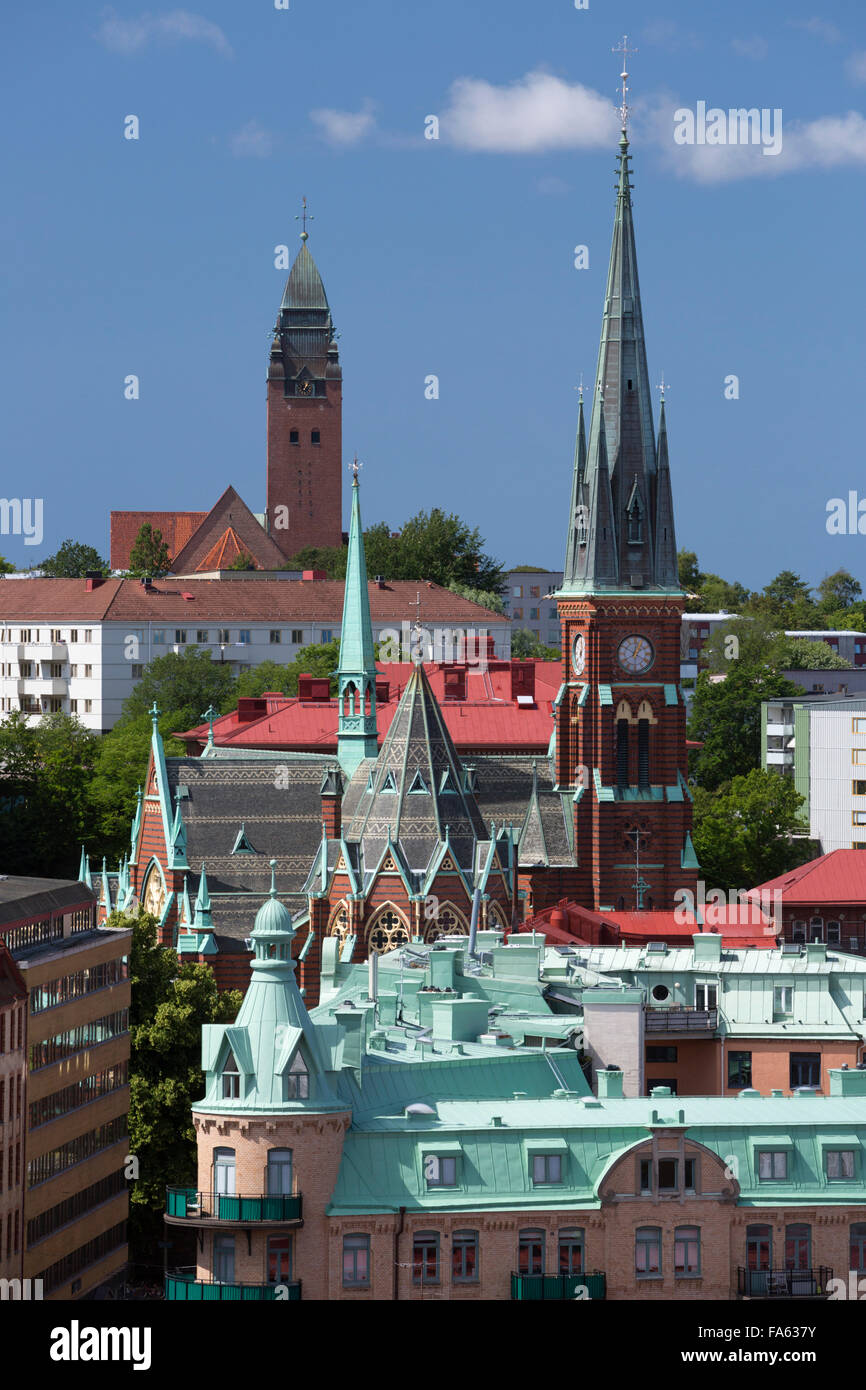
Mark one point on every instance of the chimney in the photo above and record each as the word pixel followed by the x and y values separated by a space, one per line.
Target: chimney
pixel 251 708
pixel 609 1083
pixel 314 576
pixel 455 682
pixel 523 680
pixel 383 690
pixel 92 580
pixel 707 947
pixel 847 1082
pixel 313 689
pixel 380 581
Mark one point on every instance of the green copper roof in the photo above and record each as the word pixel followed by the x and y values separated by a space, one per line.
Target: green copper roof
pixel 357 736
pixel 304 288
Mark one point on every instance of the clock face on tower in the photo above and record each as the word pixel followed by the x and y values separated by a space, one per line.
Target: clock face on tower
pixel 578 654
pixel 635 655
pixel 305 388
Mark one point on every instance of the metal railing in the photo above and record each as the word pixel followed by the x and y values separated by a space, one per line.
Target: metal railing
pixel 532 1288
pixel 682 1020
pixel 184 1288
pixel 783 1283
pixel 188 1204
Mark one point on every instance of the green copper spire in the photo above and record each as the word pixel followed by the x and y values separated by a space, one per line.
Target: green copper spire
pixel 203 921
pixel 357 737
pixel 614 542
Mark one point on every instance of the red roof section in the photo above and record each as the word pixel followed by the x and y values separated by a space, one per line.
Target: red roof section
pixel 568 924
pixel 176 528
pixel 489 718
pixel 837 877
pixel 222 555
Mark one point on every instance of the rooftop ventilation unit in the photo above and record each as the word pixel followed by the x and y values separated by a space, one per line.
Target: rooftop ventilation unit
pixel 656 948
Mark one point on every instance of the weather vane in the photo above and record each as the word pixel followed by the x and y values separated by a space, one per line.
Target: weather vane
pixel 355 468
pixel 624 49
pixel 663 386
pixel 579 387
pixel 304 217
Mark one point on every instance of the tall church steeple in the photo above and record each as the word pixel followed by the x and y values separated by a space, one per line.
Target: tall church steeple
pixel 304 477
pixel 357 736
pixel 634 553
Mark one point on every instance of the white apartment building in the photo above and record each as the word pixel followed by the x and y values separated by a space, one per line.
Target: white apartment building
pixel 79 646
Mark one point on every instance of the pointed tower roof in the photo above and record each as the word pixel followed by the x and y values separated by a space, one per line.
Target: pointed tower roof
pixel 304 288
pixel 417 741
pixel 667 567
pixel 357 736
pixel 274 1042
pixel 625 557
pixel 203 920
pixel 304 331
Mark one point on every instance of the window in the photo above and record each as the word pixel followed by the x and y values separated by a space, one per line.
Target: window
pixel 657 1053
pixel 535 591
pixel 224 1172
pixel 518 593
pixel 73 706
pixel 517 613
pixel 231 1079
pixel 805 1069
pixel 425 1258
pixel 55 634
pixel 858 755
pixel 858 726
pixel 857 1247
pixel 706 995
pixel 88 634
pixel 224 636
pixel 224 1259
pixel 440 1171
pixel 739 1068
pixel 759 1247
pixel 834 933
pixel 244 636
pixel 464 1257
pixel 298 1079
pixel 158 636
pixel 798 1243
pixel 668 1174
pixel 137 672
pixel 315 437
pixel 88 706
pixel 294 437
pixel 783 999
pixel 73 634
pixel 279 1259
pixel 275 636
pixel 24 635
pixel 202 635
pixel 279 1172
pixel 687 1251
pixel 646 1176
pixel 691 1174
pixel 839 1165
pixel 858 788
pixel 356 1262
pixel 180 635
pixel 648 1252
pixel 88 673
pixel 326 635
pixel 773 1165
pixel 546 1168
pixel 798 930
pixel 533 615
pixel 297 635
pixel 530 1252
pixel 571 1252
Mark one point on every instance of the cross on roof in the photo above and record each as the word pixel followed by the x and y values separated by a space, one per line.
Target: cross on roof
pixel 304 217
pixel 355 468
pixel 663 386
pixel 210 715
pixel 624 49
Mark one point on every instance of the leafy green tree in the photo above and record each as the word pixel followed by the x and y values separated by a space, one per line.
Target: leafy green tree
pixel 726 720
pixel 487 598
pixel 437 545
pixel 838 591
pixel 170 1005
pixel 6 566
pixel 689 571
pixel 753 642
pixel 184 682
pixel 801 654
pixel 525 646
pixel 72 561
pixel 119 767
pixel 331 559
pixel 45 815
pixel 149 553
pixel 243 561
pixel 718 596
pixel 744 830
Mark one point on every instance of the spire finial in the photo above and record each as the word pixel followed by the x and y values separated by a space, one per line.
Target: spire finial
pixel 663 386
pixel 210 715
pixel 355 468
pixel 624 49
pixel 155 713
pixel 304 217
pixel 273 864
pixel 579 387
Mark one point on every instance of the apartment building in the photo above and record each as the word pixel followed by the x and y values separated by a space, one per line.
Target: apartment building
pixel 820 742
pixel 75 1199
pixel 13 1100
pixel 79 646
pixel 529 603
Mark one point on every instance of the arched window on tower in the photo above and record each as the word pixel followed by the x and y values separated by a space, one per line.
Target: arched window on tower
pixel 349 694
pixel 622 752
pixel 643 753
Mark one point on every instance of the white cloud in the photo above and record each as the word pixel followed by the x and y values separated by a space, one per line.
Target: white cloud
pixel 826 143
pixel 252 141
pixel 345 127
pixel 821 28
pixel 132 35
pixel 755 47
pixel 537 112
pixel 667 34
pixel 856 67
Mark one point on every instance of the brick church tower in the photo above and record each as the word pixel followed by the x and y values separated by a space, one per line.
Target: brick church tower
pixel 305 404
pixel 621 738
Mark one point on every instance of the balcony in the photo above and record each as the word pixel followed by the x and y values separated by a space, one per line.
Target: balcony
pixel 701 1021
pixel 534 1288
pixel 780 757
pixel 42 651
pixel 186 1207
pixel 783 1283
pixel 777 730
pixel 183 1288
pixel 42 685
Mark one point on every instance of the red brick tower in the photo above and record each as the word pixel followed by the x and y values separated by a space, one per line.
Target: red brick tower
pixel 305 403
pixel 620 741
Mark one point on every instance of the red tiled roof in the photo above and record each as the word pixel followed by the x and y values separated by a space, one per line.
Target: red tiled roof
pixel 229 512
pixel 489 718
pixel 576 924
pixel 176 528
pixel 258 600
pixel 222 555
pixel 837 877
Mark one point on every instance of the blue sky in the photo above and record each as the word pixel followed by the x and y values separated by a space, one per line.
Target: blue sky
pixel 452 257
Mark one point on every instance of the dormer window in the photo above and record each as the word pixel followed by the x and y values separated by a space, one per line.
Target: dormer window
pixel 298 1080
pixel 231 1079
